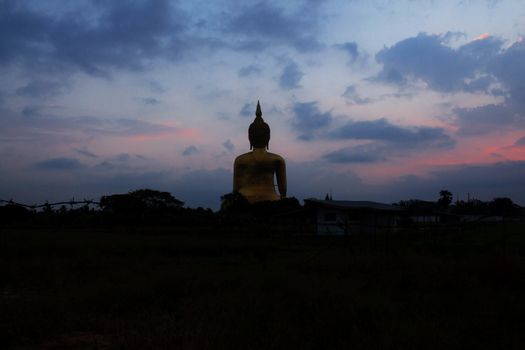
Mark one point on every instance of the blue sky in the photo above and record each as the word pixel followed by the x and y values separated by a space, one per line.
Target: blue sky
pixel 377 100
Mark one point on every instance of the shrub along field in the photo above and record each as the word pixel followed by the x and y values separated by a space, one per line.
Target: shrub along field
pixel 178 289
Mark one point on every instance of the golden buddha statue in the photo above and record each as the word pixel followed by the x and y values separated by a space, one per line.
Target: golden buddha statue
pixel 253 172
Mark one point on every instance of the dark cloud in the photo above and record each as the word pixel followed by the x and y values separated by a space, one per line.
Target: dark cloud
pixel 308 119
pixel 247 110
pixel 352 97
pixel 151 101
pixel 190 150
pixel 478 66
pixel 520 141
pixel 383 130
pixel 390 75
pixel 123 157
pixel 351 49
pixel 263 24
pixel 386 140
pixel 108 166
pixel 100 37
pixel 228 145
pixel 482 83
pixel 368 153
pixel 509 68
pixel 62 164
pixel 425 57
pixel 42 88
pixel 22 29
pixel 97 37
pixel 481 51
pixel 441 67
pixel 124 34
pixel 30 111
pixel 484 119
pixel 86 153
pixel 249 70
pixel 290 76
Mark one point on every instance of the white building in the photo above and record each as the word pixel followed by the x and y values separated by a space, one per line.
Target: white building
pixel 348 217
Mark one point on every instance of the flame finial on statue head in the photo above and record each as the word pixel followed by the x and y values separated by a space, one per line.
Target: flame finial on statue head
pixel 258 112
pixel 259 131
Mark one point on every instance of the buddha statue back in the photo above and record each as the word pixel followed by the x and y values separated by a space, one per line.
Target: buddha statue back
pixel 254 172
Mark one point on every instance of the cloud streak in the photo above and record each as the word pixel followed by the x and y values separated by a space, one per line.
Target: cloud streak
pixel 59 164
pixel 385 140
pixel 383 130
pixel 368 153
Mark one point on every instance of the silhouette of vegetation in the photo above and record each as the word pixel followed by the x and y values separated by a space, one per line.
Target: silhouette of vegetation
pixel 143 207
pixel 147 207
pixel 504 207
pixel 445 198
pixel 234 202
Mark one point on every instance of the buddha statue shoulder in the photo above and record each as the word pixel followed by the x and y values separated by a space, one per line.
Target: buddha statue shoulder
pixel 254 172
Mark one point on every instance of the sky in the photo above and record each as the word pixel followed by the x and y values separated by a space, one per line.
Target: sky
pixel 376 100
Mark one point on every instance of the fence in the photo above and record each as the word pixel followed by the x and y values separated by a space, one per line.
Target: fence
pixel 71 203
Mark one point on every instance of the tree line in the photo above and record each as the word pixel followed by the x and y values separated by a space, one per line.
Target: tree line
pixel 500 206
pixel 154 208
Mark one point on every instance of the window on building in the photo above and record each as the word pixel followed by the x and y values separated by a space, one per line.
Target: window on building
pixel 330 216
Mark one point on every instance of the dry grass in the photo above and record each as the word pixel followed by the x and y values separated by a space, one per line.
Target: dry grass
pixel 76 289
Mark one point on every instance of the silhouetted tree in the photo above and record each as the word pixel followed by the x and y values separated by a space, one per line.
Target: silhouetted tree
pixel 116 203
pixel 144 205
pixel 503 206
pixel 235 208
pixel 156 199
pixel 445 198
pixel 234 201
pixel 12 213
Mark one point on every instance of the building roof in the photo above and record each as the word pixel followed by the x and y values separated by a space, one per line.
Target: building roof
pixel 354 205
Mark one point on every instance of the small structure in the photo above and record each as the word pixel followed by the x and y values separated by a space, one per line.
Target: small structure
pixel 335 217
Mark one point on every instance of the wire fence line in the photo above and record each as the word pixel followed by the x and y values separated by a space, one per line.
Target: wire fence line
pixel 71 202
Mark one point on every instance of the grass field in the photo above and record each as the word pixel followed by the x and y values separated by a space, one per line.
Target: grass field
pixel 160 289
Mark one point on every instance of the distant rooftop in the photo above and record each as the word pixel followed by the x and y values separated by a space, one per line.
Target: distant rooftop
pixel 354 204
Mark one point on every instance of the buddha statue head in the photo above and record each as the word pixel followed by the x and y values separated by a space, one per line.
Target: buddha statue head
pixel 259 131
